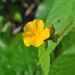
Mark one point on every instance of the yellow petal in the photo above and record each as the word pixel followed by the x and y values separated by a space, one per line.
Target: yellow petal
pixel 27 34
pixel 40 24
pixel 30 26
pixel 36 41
pixel 45 34
pixel 26 38
pixel 26 41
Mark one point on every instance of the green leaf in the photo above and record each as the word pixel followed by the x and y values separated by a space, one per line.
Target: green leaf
pixel 74 8
pixel 44 9
pixel 3 42
pixel 74 14
pixel 16 58
pixel 15 13
pixel 64 64
pixel 44 58
pixel 66 42
pixel 60 16
pixel 1 22
pixel 16 16
pixel 6 27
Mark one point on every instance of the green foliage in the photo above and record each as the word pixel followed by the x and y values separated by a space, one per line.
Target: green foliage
pixel 74 14
pixel 6 27
pixel 59 22
pixel 60 62
pixel 16 58
pixel 16 16
pixel 66 42
pixel 55 16
pixel 13 1
pixel 11 10
pixel 1 22
pixel 44 58
pixel 44 9
pixel 1 6
pixel 15 13
pixel 64 64
pixel 54 58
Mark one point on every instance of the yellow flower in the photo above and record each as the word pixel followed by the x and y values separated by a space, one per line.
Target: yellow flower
pixel 35 34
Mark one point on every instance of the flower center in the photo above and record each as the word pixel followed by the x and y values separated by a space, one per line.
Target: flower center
pixel 37 34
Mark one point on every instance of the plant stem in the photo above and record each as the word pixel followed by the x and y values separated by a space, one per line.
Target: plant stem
pixel 64 29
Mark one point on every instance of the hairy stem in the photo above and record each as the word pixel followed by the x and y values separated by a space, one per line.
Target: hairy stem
pixel 64 29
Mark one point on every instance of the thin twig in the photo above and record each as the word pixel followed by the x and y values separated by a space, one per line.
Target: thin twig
pixel 15 31
pixel 28 11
